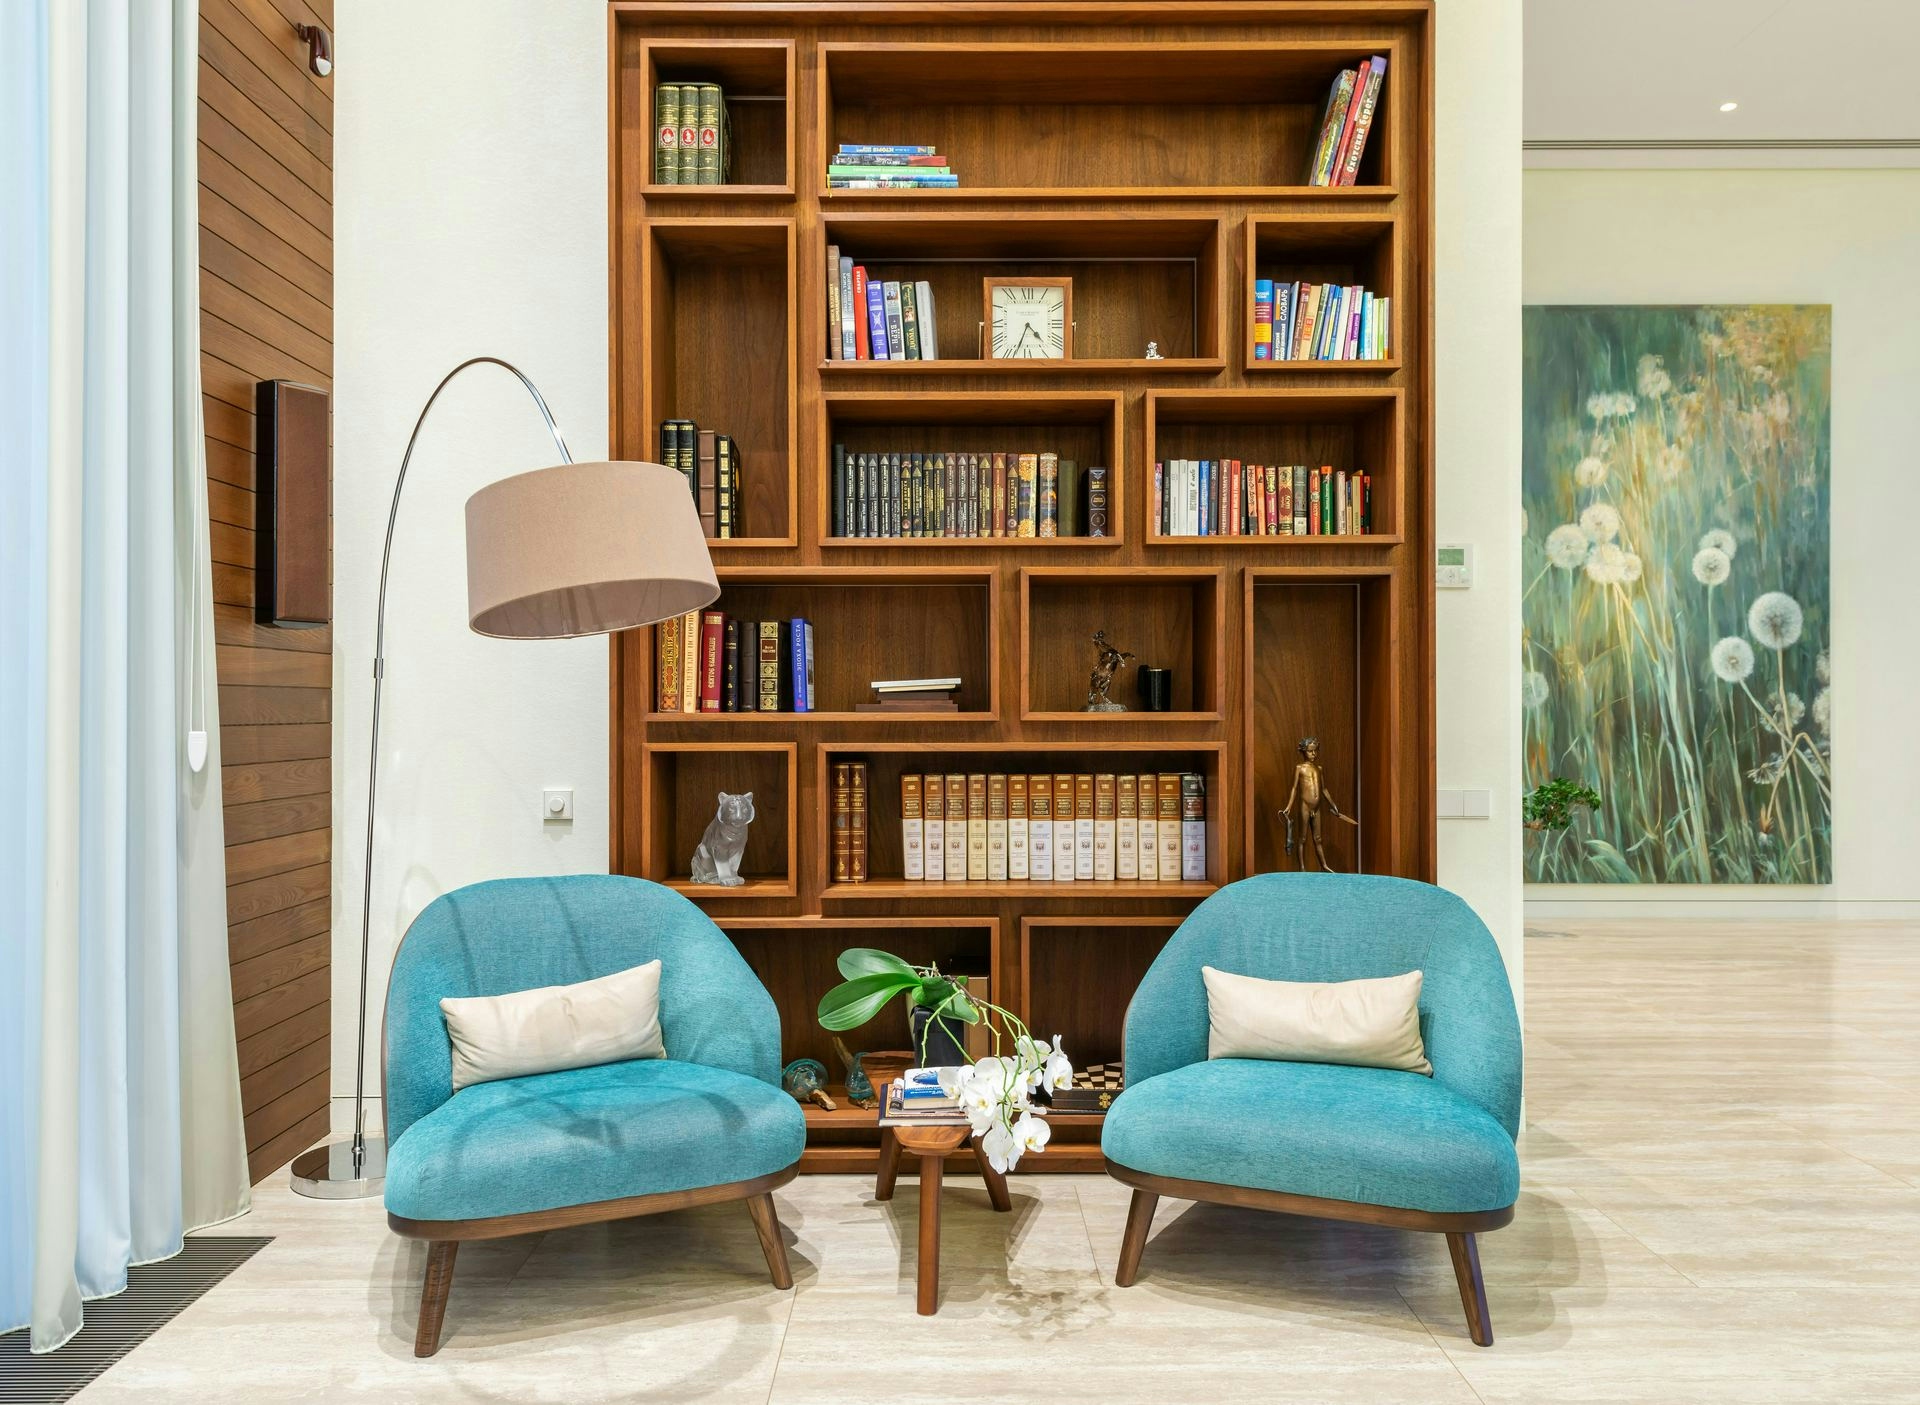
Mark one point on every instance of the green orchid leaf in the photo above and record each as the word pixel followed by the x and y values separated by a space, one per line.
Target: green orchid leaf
pixel 865 961
pixel 852 1003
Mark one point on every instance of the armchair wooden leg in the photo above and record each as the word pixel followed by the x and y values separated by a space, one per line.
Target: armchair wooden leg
pixel 1134 1243
pixel 766 1220
pixel 433 1295
pixel 889 1165
pixel 1473 1292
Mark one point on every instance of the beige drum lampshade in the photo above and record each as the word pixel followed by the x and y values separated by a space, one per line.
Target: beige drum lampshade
pixel 584 548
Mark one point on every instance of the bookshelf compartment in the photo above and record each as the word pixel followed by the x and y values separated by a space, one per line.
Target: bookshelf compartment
pixel 1084 426
pixel 795 959
pixel 682 782
pixel 1340 249
pixel 1056 956
pixel 711 288
pixel 757 77
pixel 855 616
pixel 1230 119
pixel 1136 278
pixel 1357 429
pixel 887 763
pixel 1321 653
pixel 1168 617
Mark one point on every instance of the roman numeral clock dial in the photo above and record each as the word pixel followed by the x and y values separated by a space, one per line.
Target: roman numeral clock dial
pixel 1030 319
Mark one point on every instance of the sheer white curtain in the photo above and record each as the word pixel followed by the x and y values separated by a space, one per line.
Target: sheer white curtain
pixel 120 1123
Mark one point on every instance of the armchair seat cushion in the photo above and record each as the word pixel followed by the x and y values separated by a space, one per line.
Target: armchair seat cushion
pixel 1368 1135
pixel 584 1135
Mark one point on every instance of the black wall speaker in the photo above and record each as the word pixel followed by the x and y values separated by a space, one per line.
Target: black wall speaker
pixel 292 505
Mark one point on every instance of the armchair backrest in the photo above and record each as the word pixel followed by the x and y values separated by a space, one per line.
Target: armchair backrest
pixel 1341 927
pixel 521 933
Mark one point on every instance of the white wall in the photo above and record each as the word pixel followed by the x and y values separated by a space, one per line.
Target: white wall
pixel 470 202
pixel 1477 462
pixel 1842 237
pixel 470 199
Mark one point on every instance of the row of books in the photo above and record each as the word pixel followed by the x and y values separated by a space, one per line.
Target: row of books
pixel 691 137
pixel 1064 828
pixel 850 822
pixel 707 661
pixel 1319 322
pixel 1229 498
pixel 1346 122
pixel 877 319
pixel 711 462
pixel 864 167
pixel 911 493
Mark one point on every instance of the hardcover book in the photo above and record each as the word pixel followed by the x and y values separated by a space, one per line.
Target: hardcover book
pixel 877 321
pixel 1096 502
pixel 1049 517
pixel 842 822
pixel 997 867
pixel 934 826
pixel 1169 789
pixel 896 333
pixel 1083 828
pixel 690 661
pixel 768 658
pixel 910 320
pixel 857 807
pixel 849 311
pixel 666 684
pixel 1148 843
pixel 1126 829
pixel 713 627
pixel 956 828
pixel 1065 847
pixel 666 123
pixel 1193 828
pixel 976 829
pixel 929 324
pixel 912 855
pixel 1105 798
pixel 1018 868
pixel 1040 827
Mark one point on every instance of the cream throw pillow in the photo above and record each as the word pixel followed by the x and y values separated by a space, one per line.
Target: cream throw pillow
pixel 556 1026
pixel 1370 1023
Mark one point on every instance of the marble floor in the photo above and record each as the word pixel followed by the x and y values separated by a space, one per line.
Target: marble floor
pixel 1721 1202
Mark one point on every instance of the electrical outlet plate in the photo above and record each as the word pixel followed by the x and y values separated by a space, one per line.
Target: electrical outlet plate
pixel 1453 566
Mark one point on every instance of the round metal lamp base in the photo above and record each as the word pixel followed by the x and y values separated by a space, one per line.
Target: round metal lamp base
pixel 329 1173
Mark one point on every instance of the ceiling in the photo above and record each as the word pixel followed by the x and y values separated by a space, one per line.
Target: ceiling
pixel 1801 70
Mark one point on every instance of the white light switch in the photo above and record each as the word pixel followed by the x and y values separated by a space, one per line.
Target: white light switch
pixel 1452 805
pixel 556 804
pixel 1478 804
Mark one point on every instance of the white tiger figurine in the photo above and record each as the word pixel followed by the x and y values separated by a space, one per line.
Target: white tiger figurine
pixel 717 860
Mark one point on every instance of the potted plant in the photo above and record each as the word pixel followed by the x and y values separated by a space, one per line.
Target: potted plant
pixel 1002 1096
pixel 1550 806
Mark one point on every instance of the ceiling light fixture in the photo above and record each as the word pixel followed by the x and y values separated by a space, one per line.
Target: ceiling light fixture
pixel 1728 106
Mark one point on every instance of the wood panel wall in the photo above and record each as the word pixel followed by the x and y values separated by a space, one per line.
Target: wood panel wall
pixel 266 295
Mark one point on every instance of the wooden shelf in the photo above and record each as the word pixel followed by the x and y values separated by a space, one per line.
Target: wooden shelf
pixel 1162 179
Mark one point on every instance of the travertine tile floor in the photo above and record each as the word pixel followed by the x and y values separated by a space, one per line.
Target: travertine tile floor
pixel 1721 1202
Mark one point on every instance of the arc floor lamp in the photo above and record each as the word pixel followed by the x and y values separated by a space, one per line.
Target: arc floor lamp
pixel 578 548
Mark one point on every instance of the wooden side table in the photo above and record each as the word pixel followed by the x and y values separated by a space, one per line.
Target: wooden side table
pixel 931 1145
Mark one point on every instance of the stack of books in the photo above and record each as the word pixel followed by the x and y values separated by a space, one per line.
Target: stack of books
pixel 1318 322
pixel 850 822
pixel 1229 498
pixel 873 319
pixel 916 1097
pixel 912 695
pixel 691 138
pixel 711 462
pixel 911 493
pixel 860 167
pixel 1061 828
pixel 707 661
pixel 1348 118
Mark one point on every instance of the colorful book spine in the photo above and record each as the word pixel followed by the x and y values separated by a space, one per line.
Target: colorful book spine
pixel 797 657
pixel 1368 104
pixel 690 661
pixel 1049 512
pixel 707 169
pixel 849 316
pixel 713 629
pixel 877 321
pixel 1097 504
pixel 689 153
pixel 977 842
pixel 1029 484
pixel 1339 161
pixel 910 320
pixel 767 696
pixel 913 863
pixel 896 331
pixel 862 316
pixel 1263 319
pixel 666 680
pixel 1332 125
pixel 929 323
pixel 666 145
pixel 859 149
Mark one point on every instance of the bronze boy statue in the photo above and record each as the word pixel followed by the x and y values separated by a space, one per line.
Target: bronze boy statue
pixel 1310 788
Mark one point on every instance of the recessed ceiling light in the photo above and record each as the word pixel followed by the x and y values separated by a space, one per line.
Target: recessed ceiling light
pixel 1728 106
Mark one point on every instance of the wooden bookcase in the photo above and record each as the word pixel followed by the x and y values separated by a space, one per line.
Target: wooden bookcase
pixel 1153 154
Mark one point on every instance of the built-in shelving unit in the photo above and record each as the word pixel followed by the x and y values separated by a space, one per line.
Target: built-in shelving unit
pixel 1153 155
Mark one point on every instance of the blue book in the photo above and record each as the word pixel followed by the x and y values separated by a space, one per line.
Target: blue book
pixel 1206 496
pixel 851 149
pixel 877 320
pixel 797 637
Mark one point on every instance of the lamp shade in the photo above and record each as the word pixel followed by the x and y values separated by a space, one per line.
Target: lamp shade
pixel 584 548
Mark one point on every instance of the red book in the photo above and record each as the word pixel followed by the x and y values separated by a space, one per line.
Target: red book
pixel 1360 78
pixel 861 350
pixel 1366 502
pixel 1366 101
pixel 1313 503
pixel 1237 506
pixel 713 631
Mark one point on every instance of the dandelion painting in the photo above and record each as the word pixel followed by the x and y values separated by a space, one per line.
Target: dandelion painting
pixel 1675 622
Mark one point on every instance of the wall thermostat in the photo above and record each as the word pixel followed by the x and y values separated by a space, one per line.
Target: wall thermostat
pixel 1453 566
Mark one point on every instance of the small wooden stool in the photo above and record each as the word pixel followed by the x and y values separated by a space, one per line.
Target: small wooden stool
pixel 931 1145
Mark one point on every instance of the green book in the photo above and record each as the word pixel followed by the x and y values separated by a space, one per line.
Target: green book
pixel 1073 515
pixel 893 172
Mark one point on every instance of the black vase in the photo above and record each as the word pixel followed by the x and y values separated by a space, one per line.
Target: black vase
pixel 937 1046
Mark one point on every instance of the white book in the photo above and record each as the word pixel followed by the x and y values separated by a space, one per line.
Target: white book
pixel 929 324
pixel 1064 859
pixel 1040 846
pixel 1193 851
pixel 1148 858
pixel 956 841
pixel 1192 467
pixel 1126 850
pixel 1103 836
pixel 1169 851
pixel 934 845
pixel 1083 867
pixel 1017 856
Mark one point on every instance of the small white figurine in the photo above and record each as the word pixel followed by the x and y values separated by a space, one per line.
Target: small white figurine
pixel 717 860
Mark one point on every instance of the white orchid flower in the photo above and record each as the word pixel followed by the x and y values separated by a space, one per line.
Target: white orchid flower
pixel 953 1081
pixel 1001 1151
pixel 1030 1133
pixel 1058 1072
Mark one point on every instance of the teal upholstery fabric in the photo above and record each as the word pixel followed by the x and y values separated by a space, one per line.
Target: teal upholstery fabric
pixel 721 1074
pixel 590 1134
pixel 1330 927
pixel 1371 1135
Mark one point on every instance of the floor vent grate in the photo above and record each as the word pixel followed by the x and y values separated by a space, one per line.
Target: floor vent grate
pixel 156 1294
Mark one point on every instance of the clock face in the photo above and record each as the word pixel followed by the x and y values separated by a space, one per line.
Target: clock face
pixel 1030 323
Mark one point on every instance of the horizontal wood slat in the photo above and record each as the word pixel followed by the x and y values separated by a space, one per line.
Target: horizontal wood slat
pixel 269 41
pixel 272 706
pixel 288 1110
pixel 240 744
pixel 273 895
pixel 232 585
pixel 228 504
pixel 270 1156
pixel 245 312
pixel 231 425
pixel 226 60
pixel 275 969
pixel 220 214
pixel 248 941
pixel 265 818
pixel 268 1008
pixel 276 855
pixel 268 286
pixel 277 780
pixel 231 545
pixel 286 668
pixel 267 1046
pixel 222 338
pixel 230 465
pixel 282 1077
pixel 239 627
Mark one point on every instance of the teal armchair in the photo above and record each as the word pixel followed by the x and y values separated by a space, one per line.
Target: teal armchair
pixel 707 1123
pixel 1366 1144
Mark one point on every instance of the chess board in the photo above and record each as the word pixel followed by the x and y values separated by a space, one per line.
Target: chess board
pixel 1105 1078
